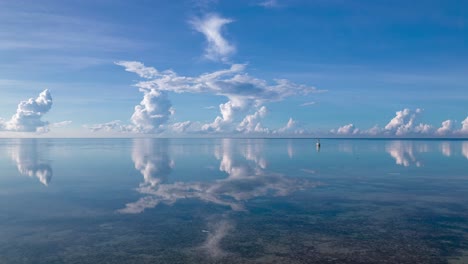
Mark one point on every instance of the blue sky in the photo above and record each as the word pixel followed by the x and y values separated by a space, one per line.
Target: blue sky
pixel 350 68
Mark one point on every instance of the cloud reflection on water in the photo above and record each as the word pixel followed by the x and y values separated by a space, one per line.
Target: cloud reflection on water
pixel 27 154
pixel 445 148
pixel 403 152
pixel 465 149
pixel 246 179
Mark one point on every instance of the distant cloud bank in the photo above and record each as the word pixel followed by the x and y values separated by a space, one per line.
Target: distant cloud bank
pixel 405 124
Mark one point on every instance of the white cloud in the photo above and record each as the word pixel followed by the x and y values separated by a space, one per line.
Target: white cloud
pixel 464 129
pixel 308 103
pixel 115 125
pixel 153 111
pixel 404 124
pixel 347 130
pixel 62 123
pixel 181 127
pixel 138 68
pixel 251 123
pixel 28 115
pixel 269 3
pixel 446 128
pixel 218 48
pixel 245 94
pixel 291 127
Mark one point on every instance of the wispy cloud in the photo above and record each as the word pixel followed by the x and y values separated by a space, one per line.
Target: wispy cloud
pixel 308 104
pixel 269 3
pixel 58 31
pixel 211 26
pixel 115 125
pixel 62 123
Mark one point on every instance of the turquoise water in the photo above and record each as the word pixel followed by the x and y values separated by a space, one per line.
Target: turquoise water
pixel 233 201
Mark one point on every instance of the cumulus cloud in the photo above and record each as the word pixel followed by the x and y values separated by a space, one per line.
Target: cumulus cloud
pixel 446 128
pixel 251 123
pixel 28 115
pixel 218 48
pixel 347 130
pixel 181 127
pixel 26 153
pixel 241 113
pixel 405 124
pixel 152 112
pixel 464 129
pixel 291 127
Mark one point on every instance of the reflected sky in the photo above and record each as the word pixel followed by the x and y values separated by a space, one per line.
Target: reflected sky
pixel 245 168
pixel 233 201
pixel 404 153
pixel 465 149
pixel 30 159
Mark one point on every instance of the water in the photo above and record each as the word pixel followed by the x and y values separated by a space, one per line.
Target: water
pixel 233 201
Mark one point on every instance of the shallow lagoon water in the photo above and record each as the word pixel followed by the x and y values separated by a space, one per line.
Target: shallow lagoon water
pixel 233 201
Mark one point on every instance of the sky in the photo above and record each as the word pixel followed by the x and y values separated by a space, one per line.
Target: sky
pixel 274 68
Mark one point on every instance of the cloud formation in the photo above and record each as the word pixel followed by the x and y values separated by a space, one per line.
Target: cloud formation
pixel 240 114
pixel 251 123
pixel 291 127
pixel 218 48
pixel 28 115
pixel 405 124
pixel 348 129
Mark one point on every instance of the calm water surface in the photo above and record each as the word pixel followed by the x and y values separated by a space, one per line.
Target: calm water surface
pixel 233 201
